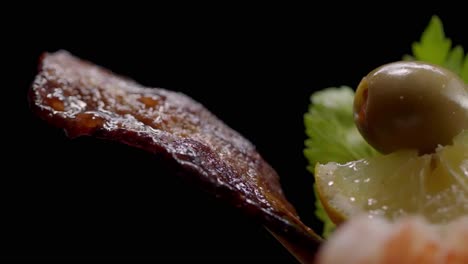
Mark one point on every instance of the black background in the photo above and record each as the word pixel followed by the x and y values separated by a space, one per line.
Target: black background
pixel 254 67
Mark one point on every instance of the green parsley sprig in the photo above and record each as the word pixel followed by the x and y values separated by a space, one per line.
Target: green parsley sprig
pixel 434 47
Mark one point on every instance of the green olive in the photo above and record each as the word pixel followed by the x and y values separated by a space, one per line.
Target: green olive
pixel 410 105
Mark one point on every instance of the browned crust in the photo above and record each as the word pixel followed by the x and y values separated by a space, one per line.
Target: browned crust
pixel 87 100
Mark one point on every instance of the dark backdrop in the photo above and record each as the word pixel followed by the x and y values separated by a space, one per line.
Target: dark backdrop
pixel 254 67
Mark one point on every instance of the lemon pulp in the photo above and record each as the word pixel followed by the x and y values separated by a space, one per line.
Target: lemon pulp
pixel 401 183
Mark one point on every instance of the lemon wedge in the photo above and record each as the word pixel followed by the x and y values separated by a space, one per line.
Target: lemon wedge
pixel 398 184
